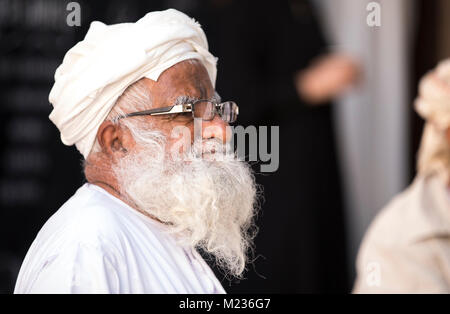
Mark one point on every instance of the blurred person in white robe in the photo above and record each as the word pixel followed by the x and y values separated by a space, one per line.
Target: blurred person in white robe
pixel 137 223
pixel 407 247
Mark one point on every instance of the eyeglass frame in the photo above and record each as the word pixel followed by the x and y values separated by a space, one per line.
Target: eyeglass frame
pixel 180 108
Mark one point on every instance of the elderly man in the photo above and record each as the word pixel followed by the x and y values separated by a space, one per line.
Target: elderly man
pixel 407 248
pixel 127 96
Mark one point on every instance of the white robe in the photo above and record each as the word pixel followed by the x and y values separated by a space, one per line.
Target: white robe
pixel 95 243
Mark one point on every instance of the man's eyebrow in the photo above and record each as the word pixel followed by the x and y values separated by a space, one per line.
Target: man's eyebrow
pixel 184 99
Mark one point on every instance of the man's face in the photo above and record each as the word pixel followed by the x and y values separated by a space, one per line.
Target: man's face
pixel 187 78
pixel 208 203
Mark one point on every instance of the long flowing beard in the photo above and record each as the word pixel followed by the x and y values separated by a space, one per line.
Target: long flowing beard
pixel 208 203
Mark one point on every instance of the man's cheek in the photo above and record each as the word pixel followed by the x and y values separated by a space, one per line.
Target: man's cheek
pixel 180 141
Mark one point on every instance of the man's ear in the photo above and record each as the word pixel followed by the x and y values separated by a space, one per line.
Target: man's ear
pixel 110 138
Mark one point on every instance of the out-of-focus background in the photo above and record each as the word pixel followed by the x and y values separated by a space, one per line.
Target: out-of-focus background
pixel 337 79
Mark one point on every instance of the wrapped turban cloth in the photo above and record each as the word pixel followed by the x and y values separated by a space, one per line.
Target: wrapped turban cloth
pixel 433 104
pixel 97 70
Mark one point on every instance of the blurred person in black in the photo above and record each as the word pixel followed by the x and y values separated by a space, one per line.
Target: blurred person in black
pixel 273 60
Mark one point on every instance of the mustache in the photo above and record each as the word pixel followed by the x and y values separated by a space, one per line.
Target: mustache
pixel 211 149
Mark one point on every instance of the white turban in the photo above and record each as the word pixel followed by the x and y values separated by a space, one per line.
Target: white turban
pixel 433 104
pixel 98 69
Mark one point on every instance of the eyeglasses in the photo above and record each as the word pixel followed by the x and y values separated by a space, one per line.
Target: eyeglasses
pixel 204 109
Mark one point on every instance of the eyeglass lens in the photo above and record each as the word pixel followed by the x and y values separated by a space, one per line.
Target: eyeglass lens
pixel 206 110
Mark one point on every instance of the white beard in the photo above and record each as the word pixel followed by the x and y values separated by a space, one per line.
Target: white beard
pixel 208 204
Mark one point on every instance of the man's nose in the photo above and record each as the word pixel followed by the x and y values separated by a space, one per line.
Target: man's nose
pixel 216 128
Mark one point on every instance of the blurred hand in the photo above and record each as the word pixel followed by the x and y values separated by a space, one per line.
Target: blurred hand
pixel 326 78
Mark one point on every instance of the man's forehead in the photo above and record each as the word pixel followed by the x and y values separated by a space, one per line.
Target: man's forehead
pixel 186 68
pixel 186 79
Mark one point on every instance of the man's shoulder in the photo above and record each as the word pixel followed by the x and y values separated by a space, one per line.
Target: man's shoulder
pixel 400 245
pixel 392 220
pixel 394 223
pixel 88 217
pixel 410 216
